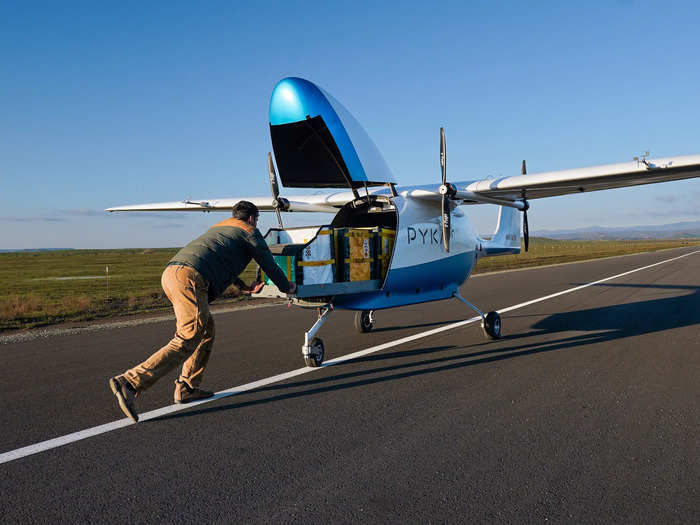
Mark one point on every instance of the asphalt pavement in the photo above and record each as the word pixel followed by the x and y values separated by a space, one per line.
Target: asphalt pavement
pixel 587 410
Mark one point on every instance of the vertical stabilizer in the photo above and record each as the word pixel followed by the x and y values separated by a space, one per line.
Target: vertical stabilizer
pixel 506 238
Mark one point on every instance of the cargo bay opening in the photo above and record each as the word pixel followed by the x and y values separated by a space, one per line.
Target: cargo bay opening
pixel 350 255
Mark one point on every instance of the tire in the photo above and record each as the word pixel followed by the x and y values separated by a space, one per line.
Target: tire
pixel 315 358
pixel 492 325
pixel 364 321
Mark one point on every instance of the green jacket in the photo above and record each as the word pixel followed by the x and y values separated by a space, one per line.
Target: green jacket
pixel 224 251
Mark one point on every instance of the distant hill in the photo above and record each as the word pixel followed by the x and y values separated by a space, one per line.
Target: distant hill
pixel 36 250
pixel 678 230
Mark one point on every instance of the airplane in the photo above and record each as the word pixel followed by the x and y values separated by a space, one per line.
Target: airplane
pixel 317 143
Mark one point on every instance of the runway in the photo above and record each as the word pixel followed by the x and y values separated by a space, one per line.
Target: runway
pixel 588 410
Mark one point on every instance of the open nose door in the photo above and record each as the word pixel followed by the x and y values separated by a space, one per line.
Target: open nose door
pixel 318 143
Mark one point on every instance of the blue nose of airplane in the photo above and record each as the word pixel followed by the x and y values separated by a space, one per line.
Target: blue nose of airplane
pixel 318 143
pixel 293 99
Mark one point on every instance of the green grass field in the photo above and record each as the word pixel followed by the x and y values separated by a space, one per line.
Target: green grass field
pixel 550 251
pixel 42 288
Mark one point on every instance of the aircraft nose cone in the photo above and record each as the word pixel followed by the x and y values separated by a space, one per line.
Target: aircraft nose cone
pixel 293 99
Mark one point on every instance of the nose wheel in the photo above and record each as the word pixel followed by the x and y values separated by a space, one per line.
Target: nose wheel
pixel 313 349
pixel 364 321
pixel 313 354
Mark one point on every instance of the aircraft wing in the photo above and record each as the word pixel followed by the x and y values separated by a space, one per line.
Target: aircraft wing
pixel 609 176
pixel 328 203
pixel 506 190
pixel 496 191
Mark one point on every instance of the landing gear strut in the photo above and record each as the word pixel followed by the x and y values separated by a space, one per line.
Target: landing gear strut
pixel 313 349
pixel 490 323
pixel 364 321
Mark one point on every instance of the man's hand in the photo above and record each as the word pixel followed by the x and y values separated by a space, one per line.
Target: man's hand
pixel 255 287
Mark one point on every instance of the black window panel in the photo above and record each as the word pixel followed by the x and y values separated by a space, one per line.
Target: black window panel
pixel 307 155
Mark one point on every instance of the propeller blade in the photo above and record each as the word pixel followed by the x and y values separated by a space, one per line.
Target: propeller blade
pixel 273 177
pixel 443 156
pixel 446 223
pixel 446 192
pixel 526 228
pixel 526 231
pixel 279 218
pixel 274 187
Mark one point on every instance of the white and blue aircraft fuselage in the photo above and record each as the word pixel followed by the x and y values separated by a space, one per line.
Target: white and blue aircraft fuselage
pixel 420 270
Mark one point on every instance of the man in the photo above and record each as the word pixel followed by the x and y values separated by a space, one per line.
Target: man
pixel 197 275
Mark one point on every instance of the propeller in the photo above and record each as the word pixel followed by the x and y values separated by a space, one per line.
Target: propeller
pixel 447 191
pixel 526 228
pixel 277 203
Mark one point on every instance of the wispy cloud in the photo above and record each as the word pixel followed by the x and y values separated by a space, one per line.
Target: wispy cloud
pixel 682 204
pixel 168 226
pixel 667 199
pixel 36 218
pixel 678 215
pixel 84 213
pixel 674 213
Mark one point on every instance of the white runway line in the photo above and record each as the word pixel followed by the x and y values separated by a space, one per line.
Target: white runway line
pixel 115 425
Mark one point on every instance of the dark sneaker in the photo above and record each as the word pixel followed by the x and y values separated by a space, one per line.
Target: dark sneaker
pixel 184 393
pixel 125 395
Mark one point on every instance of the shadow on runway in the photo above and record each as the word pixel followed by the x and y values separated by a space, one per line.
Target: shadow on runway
pixel 600 325
pixel 406 326
pixel 637 318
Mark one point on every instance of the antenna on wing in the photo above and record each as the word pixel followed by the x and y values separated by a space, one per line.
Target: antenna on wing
pixel 447 191
pixel 643 160
pixel 278 203
pixel 526 228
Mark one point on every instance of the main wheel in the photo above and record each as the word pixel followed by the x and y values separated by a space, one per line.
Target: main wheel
pixel 492 325
pixel 315 357
pixel 364 321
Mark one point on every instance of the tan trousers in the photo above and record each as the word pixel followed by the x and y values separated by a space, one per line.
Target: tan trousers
pixel 194 335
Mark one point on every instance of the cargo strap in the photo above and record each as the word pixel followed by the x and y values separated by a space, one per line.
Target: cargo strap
pixel 316 263
pixel 359 260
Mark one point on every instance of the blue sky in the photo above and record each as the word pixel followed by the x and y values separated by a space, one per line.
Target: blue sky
pixel 132 102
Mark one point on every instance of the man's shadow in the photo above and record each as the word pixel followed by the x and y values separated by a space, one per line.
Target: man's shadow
pixel 599 325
